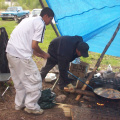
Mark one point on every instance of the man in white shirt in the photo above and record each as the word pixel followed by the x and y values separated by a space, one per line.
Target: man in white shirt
pixel 22 44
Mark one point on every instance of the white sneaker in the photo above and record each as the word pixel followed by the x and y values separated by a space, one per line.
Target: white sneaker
pixel 19 107
pixel 34 111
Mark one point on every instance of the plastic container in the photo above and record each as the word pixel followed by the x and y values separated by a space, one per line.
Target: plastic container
pixel 97 75
pixel 50 77
pixel 76 61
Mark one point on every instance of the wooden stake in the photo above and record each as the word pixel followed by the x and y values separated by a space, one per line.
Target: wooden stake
pixel 54 84
pixel 99 61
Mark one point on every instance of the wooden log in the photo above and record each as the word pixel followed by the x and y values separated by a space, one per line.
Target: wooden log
pixel 99 61
pixel 78 91
pixel 76 113
pixel 66 109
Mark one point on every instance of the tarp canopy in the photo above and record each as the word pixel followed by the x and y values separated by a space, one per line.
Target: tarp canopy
pixel 94 20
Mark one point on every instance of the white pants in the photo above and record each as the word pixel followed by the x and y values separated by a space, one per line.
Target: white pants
pixel 27 81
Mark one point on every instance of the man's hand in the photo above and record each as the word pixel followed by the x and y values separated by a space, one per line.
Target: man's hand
pixel 45 56
pixel 38 52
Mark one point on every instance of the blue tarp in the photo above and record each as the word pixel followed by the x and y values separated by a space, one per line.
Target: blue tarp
pixel 94 20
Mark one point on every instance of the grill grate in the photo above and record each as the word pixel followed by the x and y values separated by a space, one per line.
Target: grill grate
pixel 5 14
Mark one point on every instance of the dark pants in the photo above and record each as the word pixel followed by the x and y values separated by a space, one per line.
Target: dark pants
pixel 49 65
pixel 63 66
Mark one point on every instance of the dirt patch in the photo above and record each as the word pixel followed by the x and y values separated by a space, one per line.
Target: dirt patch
pixel 7 111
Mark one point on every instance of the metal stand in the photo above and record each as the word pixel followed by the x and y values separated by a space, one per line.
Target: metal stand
pixel 4 77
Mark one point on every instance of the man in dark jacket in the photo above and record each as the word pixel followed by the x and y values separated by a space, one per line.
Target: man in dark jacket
pixel 62 51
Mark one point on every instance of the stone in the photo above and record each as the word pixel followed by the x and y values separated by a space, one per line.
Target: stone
pixel 61 98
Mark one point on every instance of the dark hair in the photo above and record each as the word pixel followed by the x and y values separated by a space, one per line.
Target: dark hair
pixel 47 11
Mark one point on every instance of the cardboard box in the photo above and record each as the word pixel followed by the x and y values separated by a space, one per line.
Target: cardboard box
pixel 79 70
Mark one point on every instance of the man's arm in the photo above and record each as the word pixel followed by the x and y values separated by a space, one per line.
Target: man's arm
pixel 39 52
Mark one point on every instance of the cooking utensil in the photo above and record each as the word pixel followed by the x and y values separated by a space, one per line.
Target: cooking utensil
pixel 104 92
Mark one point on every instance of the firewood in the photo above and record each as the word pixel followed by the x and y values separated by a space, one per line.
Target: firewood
pixel 78 91
pixel 66 109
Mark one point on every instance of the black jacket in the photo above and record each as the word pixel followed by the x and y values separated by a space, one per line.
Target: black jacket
pixel 64 46
pixel 3 43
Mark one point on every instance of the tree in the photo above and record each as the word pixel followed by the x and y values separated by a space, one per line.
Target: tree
pixel 3 5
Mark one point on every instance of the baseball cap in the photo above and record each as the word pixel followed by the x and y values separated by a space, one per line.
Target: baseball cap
pixel 83 48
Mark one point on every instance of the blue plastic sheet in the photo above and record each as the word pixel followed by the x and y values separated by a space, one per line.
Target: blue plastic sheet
pixel 94 20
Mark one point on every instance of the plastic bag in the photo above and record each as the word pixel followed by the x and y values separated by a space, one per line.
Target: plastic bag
pixel 109 68
pixel 47 99
pixel 76 61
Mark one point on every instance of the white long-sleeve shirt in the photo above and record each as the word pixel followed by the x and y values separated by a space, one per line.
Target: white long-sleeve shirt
pixel 20 42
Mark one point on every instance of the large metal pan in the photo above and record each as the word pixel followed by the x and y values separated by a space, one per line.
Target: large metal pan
pixel 104 92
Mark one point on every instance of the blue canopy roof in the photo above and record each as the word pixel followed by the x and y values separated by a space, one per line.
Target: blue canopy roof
pixel 94 20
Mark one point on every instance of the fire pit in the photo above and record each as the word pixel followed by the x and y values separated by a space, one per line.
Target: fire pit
pixel 106 109
pixel 101 108
pixel 98 109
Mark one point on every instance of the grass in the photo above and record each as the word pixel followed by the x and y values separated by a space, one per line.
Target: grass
pixel 50 34
pixel 9 25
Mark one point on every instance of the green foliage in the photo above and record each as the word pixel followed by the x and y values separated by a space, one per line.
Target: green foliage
pixel 26 4
pixel 30 4
pixel 2 5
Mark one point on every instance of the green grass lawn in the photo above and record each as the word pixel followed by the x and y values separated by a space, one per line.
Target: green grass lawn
pixel 9 25
pixel 50 34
